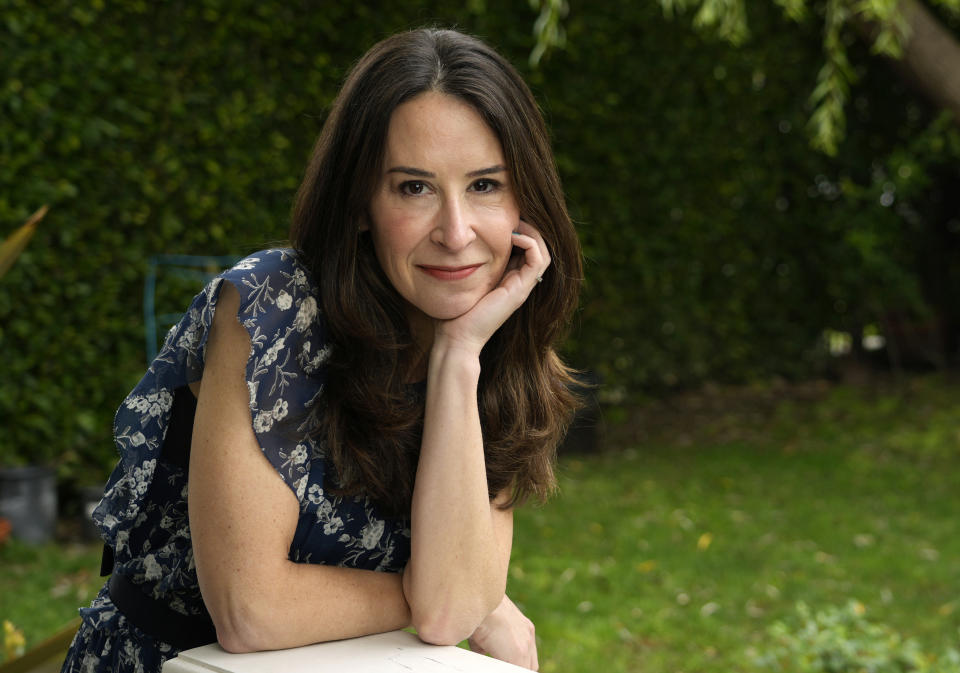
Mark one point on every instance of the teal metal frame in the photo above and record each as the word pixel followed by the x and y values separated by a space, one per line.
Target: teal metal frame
pixel 197 267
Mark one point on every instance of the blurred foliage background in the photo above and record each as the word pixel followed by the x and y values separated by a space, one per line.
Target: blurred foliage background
pixel 720 247
pixel 728 263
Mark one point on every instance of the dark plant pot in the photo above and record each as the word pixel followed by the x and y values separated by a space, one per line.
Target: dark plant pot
pixel 28 500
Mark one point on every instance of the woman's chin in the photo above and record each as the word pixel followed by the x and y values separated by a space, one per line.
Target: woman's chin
pixel 441 310
pixel 448 314
pixel 452 310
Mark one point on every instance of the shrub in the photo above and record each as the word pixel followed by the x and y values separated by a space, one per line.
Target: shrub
pixel 841 640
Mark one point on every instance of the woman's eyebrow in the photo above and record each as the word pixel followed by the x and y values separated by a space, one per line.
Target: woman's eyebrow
pixel 420 173
pixel 409 170
pixel 499 168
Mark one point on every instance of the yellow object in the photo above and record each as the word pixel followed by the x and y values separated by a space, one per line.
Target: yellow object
pixel 13 641
pixel 704 541
pixel 11 248
pixel 43 656
pixel 647 566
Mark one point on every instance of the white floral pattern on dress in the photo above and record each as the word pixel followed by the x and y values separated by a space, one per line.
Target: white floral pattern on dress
pixel 143 514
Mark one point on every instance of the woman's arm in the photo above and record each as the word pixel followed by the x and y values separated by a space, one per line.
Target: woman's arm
pixel 243 518
pixel 460 545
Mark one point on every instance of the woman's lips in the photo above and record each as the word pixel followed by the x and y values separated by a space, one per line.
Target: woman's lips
pixel 449 272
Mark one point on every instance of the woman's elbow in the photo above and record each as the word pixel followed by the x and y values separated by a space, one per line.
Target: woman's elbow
pixel 233 642
pixel 443 631
pixel 448 625
pixel 241 628
pixel 238 641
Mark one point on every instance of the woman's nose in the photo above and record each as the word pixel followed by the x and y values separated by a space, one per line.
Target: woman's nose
pixel 454 229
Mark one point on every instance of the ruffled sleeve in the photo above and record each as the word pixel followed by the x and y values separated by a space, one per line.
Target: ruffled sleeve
pixel 279 310
pixel 285 374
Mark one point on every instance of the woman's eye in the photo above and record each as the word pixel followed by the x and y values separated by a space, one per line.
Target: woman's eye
pixel 413 188
pixel 485 185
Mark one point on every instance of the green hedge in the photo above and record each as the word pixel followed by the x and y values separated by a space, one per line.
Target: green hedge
pixel 721 244
pixel 716 245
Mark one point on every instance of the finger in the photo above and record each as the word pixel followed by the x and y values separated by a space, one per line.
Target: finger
pixel 535 258
pixel 527 229
pixel 517 259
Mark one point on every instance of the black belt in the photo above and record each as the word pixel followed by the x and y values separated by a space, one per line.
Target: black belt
pixel 158 619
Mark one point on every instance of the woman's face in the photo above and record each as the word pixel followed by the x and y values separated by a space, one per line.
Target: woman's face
pixel 444 211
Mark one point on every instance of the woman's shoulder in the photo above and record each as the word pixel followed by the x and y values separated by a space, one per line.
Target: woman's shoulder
pixel 274 286
pixel 281 265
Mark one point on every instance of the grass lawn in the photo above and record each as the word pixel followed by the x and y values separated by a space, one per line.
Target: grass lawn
pixel 707 519
pixel 41 586
pixel 723 511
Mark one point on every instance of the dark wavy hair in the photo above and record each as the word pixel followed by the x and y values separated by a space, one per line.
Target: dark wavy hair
pixel 372 420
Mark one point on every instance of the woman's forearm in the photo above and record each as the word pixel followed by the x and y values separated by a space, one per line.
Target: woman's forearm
pixel 457 570
pixel 303 603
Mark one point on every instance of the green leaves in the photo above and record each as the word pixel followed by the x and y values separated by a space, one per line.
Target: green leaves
pixel 842 640
pixel 548 29
pixel 728 18
pixel 795 10
pixel 829 98
pixel 883 19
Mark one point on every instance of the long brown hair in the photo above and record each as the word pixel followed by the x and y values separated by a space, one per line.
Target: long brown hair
pixel 372 420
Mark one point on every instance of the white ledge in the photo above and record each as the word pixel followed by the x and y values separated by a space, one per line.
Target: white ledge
pixel 393 652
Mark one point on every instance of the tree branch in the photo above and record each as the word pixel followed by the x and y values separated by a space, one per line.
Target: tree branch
pixel 931 55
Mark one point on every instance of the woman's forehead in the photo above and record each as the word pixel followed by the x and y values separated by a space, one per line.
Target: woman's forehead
pixel 439 129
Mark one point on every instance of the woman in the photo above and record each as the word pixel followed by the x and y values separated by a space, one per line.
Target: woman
pixel 396 370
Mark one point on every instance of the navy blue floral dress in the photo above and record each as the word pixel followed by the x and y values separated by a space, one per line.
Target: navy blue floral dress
pixel 143 513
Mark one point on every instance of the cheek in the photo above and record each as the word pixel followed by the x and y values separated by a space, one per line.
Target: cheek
pixel 501 232
pixel 504 246
pixel 394 235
